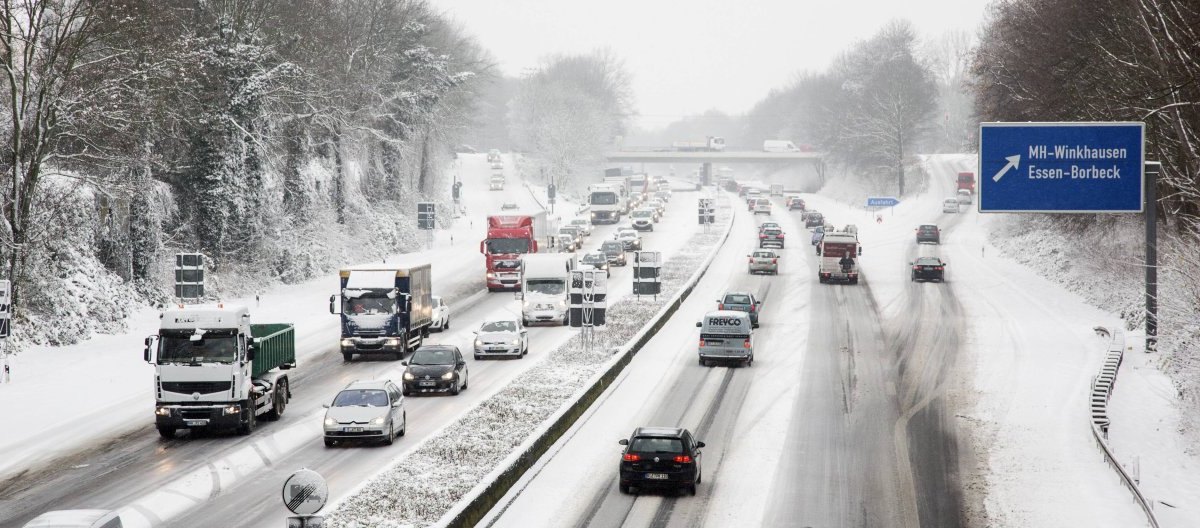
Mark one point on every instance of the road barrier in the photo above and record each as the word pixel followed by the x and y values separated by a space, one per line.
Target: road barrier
pixel 1102 387
pixel 483 497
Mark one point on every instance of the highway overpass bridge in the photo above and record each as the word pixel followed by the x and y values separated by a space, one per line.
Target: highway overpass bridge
pixel 815 160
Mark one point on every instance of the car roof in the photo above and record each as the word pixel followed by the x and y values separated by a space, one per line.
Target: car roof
pixel 929 259
pixel 727 294
pixel 924 226
pixel 765 251
pixel 486 321
pixel 366 384
pixel 661 432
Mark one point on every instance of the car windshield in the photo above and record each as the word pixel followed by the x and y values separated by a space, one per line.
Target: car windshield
pixel 764 254
pixel 432 356
pixel 656 445
pixel 926 261
pixel 594 258
pixel 546 286
pixel 612 247
pixel 361 398
pixel 771 231
pixel 579 222
pixel 213 347
pixel 641 213
pixel 507 245
pixel 928 228
pixel 499 326
pixel 737 299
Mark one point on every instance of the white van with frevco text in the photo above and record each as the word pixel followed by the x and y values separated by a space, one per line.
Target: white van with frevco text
pixel 726 336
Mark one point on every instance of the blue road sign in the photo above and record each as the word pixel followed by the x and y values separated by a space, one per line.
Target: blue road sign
pixel 882 201
pixel 1061 167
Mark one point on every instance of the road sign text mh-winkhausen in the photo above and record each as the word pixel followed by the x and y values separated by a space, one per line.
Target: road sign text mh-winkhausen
pixel 1061 167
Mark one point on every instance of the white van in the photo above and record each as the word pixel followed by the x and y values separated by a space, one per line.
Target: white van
pixel 950 205
pixel 779 145
pixel 726 335
pixel 545 287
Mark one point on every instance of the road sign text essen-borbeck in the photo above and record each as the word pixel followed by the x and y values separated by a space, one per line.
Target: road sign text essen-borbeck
pixel 1061 167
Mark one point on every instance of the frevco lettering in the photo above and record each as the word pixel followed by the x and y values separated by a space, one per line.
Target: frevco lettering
pixel 724 321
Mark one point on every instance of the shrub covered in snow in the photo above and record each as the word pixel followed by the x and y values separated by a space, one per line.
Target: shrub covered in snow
pixel 420 488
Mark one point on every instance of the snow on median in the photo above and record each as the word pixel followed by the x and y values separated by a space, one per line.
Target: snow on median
pixel 419 488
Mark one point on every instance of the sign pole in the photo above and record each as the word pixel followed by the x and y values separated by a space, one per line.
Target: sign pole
pixel 1152 170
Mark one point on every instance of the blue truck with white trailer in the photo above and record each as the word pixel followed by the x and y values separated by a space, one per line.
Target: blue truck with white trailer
pixel 383 310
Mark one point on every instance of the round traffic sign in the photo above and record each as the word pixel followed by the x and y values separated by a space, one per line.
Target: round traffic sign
pixel 305 492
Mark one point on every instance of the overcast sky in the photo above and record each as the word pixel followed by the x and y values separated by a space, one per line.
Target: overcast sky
pixel 687 56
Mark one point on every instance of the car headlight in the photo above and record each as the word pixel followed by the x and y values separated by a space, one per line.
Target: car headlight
pixel 233 409
pixel 448 375
pixel 478 342
pixel 515 342
pixel 330 422
pixel 162 411
pixel 409 376
pixel 347 342
pixel 377 421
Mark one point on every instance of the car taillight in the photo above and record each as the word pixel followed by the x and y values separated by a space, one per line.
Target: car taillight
pixel 752 307
pixel 774 261
pixel 701 343
pixel 939 268
pixel 629 457
pixel 746 343
pixel 752 260
pixel 779 236
pixel 917 267
pixel 720 306
pixel 762 236
pixel 683 459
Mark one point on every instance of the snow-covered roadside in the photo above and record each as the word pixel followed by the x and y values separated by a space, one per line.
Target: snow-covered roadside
pixel 1026 365
pixel 420 488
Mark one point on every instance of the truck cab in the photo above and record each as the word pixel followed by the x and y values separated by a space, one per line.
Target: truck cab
pixel 966 180
pixel 215 370
pixel 545 285
pixel 508 238
pixel 383 310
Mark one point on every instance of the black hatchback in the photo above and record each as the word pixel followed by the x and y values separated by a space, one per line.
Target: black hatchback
pixel 660 458
pixel 929 269
pixel 929 233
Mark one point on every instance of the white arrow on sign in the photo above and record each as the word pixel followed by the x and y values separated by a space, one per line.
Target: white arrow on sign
pixel 1014 162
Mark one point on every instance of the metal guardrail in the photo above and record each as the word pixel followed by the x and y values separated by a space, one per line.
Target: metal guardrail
pixel 1102 387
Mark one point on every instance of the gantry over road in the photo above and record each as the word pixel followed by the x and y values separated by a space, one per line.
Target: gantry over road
pixel 815 159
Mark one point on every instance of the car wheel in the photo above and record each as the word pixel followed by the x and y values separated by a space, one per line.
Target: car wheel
pixel 692 490
pixel 387 440
pixel 329 443
pixel 405 391
pixel 446 325
pixel 347 356
pixel 167 433
pixel 478 357
pixel 456 388
pixel 403 424
pixel 626 489
pixel 466 378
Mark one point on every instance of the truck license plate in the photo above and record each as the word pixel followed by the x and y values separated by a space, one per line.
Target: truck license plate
pixel 196 423
pixel 352 429
pixel 656 476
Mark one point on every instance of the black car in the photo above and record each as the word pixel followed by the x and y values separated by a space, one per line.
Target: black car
pixel 929 233
pixel 597 261
pixel 929 269
pixel 660 458
pixel 813 219
pixel 435 368
pixel 614 251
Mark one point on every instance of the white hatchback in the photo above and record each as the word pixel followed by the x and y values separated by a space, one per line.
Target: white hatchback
pixel 950 205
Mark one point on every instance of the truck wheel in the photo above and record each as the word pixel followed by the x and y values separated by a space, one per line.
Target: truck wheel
pixel 168 433
pixel 250 422
pixel 277 403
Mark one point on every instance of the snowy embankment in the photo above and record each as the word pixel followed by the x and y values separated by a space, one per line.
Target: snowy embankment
pixel 462 462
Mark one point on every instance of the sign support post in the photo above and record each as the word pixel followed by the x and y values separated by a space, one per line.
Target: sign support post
pixel 1151 171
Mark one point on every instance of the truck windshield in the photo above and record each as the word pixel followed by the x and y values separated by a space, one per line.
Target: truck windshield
pixel 546 286
pixel 369 302
pixel 507 245
pixel 606 198
pixel 219 346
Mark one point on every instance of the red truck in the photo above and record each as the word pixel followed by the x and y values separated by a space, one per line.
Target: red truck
pixel 966 180
pixel 509 237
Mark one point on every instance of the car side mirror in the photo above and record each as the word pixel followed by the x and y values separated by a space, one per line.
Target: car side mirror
pixel 757 302
pixel 397 403
pixel 325 405
pixel 404 363
pixel 699 324
pixel 860 250
pixel 623 441
pixel 699 444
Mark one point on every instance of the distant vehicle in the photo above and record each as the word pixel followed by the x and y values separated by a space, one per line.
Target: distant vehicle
pixel 502 337
pixel 776 189
pixel 497 165
pixel 366 410
pixel 215 370
pixel 929 234
pixel 965 197
pixel 771 236
pixel 493 155
pixel 741 302
pixel 76 519
pixel 496 182
pixel 839 258
pixel 764 261
pixel 795 203
pixel 436 368
pixel 779 145
pixel 584 225
pixel 565 243
pixel 545 285
pixel 966 181
pixel 950 205
pixel 659 206
pixel 596 261
pixel 710 144
pixel 383 310
pixel 726 336
pixel 642 219
pixel 614 251
pixel 850 228
pixel 509 206
pixel 762 206
pixel 629 238
pixel 660 457
pixel 928 269
pixel 575 232
pixel 766 225
pixel 441 315
pixel 813 218
pixel 817 235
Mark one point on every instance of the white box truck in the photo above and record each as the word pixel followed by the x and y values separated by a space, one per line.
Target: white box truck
pixel 545 287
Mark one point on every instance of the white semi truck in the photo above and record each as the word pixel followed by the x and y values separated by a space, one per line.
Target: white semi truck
pixel 605 203
pixel 215 370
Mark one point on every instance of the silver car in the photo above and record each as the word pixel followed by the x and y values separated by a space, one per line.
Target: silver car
pixel 764 261
pixel 629 238
pixel 504 337
pixel 584 225
pixel 366 410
